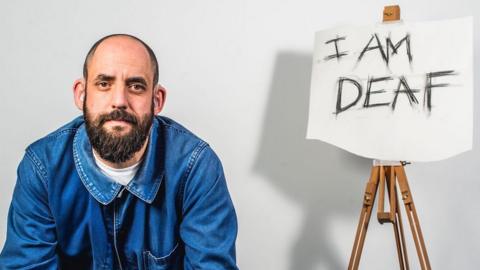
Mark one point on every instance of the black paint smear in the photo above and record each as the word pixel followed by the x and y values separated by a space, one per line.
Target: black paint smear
pixel 372 80
pixel 339 108
pixel 379 47
pixel 407 90
pixel 337 54
pixel 427 97
pixel 395 47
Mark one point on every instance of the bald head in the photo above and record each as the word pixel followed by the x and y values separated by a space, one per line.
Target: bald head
pixel 127 42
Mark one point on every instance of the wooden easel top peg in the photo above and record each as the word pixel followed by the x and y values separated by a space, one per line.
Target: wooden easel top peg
pixel 391 13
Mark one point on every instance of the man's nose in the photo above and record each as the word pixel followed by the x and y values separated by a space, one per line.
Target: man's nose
pixel 119 97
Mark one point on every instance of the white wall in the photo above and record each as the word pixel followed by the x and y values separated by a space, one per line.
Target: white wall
pixel 238 75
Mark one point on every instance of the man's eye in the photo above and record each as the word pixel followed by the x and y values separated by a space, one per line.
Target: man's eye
pixel 137 87
pixel 103 84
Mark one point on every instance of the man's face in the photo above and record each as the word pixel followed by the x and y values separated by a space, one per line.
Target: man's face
pixel 118 106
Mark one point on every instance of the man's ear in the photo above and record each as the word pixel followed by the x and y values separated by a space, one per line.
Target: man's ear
pixel 159 95
pixel 79 93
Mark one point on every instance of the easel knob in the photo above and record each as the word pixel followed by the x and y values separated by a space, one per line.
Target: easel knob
pixel 391 13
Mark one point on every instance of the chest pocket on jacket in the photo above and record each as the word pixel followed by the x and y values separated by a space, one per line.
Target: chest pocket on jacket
pixel 168 261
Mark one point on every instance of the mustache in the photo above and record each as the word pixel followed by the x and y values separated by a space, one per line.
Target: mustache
pixel 119 115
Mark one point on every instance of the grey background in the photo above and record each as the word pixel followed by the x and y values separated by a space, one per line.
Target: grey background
pixel 238 74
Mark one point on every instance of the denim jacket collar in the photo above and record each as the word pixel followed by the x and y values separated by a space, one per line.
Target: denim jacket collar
pixel 144 185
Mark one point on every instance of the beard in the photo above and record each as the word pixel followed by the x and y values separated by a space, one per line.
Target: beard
pixel 113 147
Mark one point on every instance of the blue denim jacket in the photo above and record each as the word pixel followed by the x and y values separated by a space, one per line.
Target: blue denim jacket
pixel 175 214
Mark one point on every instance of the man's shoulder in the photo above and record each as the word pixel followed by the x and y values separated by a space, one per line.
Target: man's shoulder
pixel 58 139
pixel 174 129
pixel 179 143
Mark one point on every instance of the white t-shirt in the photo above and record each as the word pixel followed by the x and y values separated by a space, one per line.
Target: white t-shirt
pixel 122 176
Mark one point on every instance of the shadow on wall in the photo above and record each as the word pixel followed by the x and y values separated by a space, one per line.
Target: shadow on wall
pixel 324 180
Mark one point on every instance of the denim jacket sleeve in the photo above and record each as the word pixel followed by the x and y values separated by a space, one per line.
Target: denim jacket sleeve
pixel 209 225
pixel 31 239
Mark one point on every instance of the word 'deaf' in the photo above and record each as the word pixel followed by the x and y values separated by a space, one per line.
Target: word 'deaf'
pixel 402 88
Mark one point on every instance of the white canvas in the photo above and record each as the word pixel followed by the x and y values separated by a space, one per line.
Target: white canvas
pixel 420 102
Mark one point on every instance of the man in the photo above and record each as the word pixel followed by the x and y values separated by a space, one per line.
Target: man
pixel 120 188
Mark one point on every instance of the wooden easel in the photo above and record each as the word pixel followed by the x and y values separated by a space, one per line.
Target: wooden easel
pixel 390 174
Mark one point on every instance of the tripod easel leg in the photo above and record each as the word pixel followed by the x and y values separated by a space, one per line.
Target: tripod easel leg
pixel 397 221
pixel 411 213
pixel 369 198
pixel 390 176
